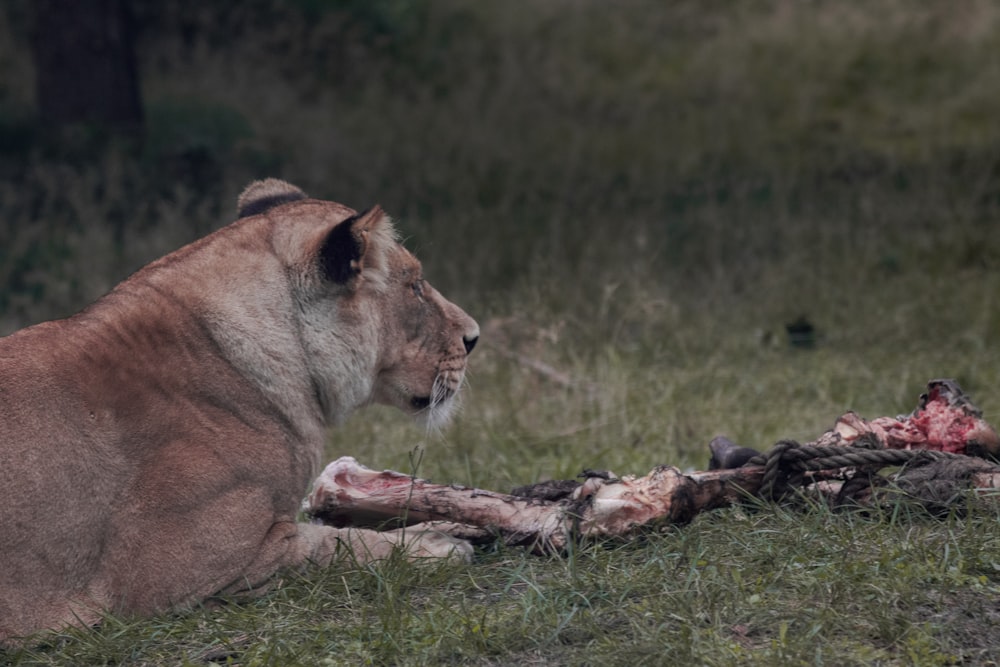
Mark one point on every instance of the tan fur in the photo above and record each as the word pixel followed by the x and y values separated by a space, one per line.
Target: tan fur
pixel 154 448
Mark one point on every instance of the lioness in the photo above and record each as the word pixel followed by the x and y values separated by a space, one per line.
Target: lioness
pixel 154 448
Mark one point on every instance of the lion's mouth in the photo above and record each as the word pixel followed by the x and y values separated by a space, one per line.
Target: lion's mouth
pixel 441 395
pixel 420 402
pixel 438 405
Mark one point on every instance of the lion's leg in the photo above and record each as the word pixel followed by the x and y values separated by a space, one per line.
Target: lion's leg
pixel 297 545
pixel 322 544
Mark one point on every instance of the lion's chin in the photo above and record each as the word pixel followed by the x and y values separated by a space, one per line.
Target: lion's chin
pixel 434 406
pixel 435 414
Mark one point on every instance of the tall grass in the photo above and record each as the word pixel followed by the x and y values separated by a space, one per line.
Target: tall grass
pixel 704 146
pixel 639 194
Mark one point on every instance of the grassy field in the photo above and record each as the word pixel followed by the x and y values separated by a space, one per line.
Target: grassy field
pixel 639 194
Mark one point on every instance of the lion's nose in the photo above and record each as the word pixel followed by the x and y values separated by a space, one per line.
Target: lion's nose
pixel 470 342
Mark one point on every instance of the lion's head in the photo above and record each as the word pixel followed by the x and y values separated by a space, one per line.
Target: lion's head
pixel 374 329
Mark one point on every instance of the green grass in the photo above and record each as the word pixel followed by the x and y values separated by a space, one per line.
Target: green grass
pixel 739 587
pixel 639 194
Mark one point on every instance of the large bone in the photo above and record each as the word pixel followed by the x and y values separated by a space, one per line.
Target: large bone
pixel 349 494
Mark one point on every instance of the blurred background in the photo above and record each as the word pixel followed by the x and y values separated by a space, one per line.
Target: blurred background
pixel 634 198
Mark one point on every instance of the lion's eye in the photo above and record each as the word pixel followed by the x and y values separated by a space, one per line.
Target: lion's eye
pixel 418 288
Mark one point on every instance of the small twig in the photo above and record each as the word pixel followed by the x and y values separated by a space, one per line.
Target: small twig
pixel 540 367
pixel 547 371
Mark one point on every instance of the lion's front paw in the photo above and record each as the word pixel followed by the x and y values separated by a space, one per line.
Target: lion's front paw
pixel 415 542
pixel 426 543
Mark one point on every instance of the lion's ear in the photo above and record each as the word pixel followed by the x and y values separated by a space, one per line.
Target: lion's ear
pixel 261 196
pixel 347 248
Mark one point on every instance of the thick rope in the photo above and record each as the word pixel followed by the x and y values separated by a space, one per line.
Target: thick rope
pixel 787 462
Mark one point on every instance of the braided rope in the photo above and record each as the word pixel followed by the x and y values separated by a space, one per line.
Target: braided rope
pixel 787 462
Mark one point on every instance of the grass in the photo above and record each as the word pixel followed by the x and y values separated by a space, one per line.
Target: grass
pixel 638 194
pixel 743 586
